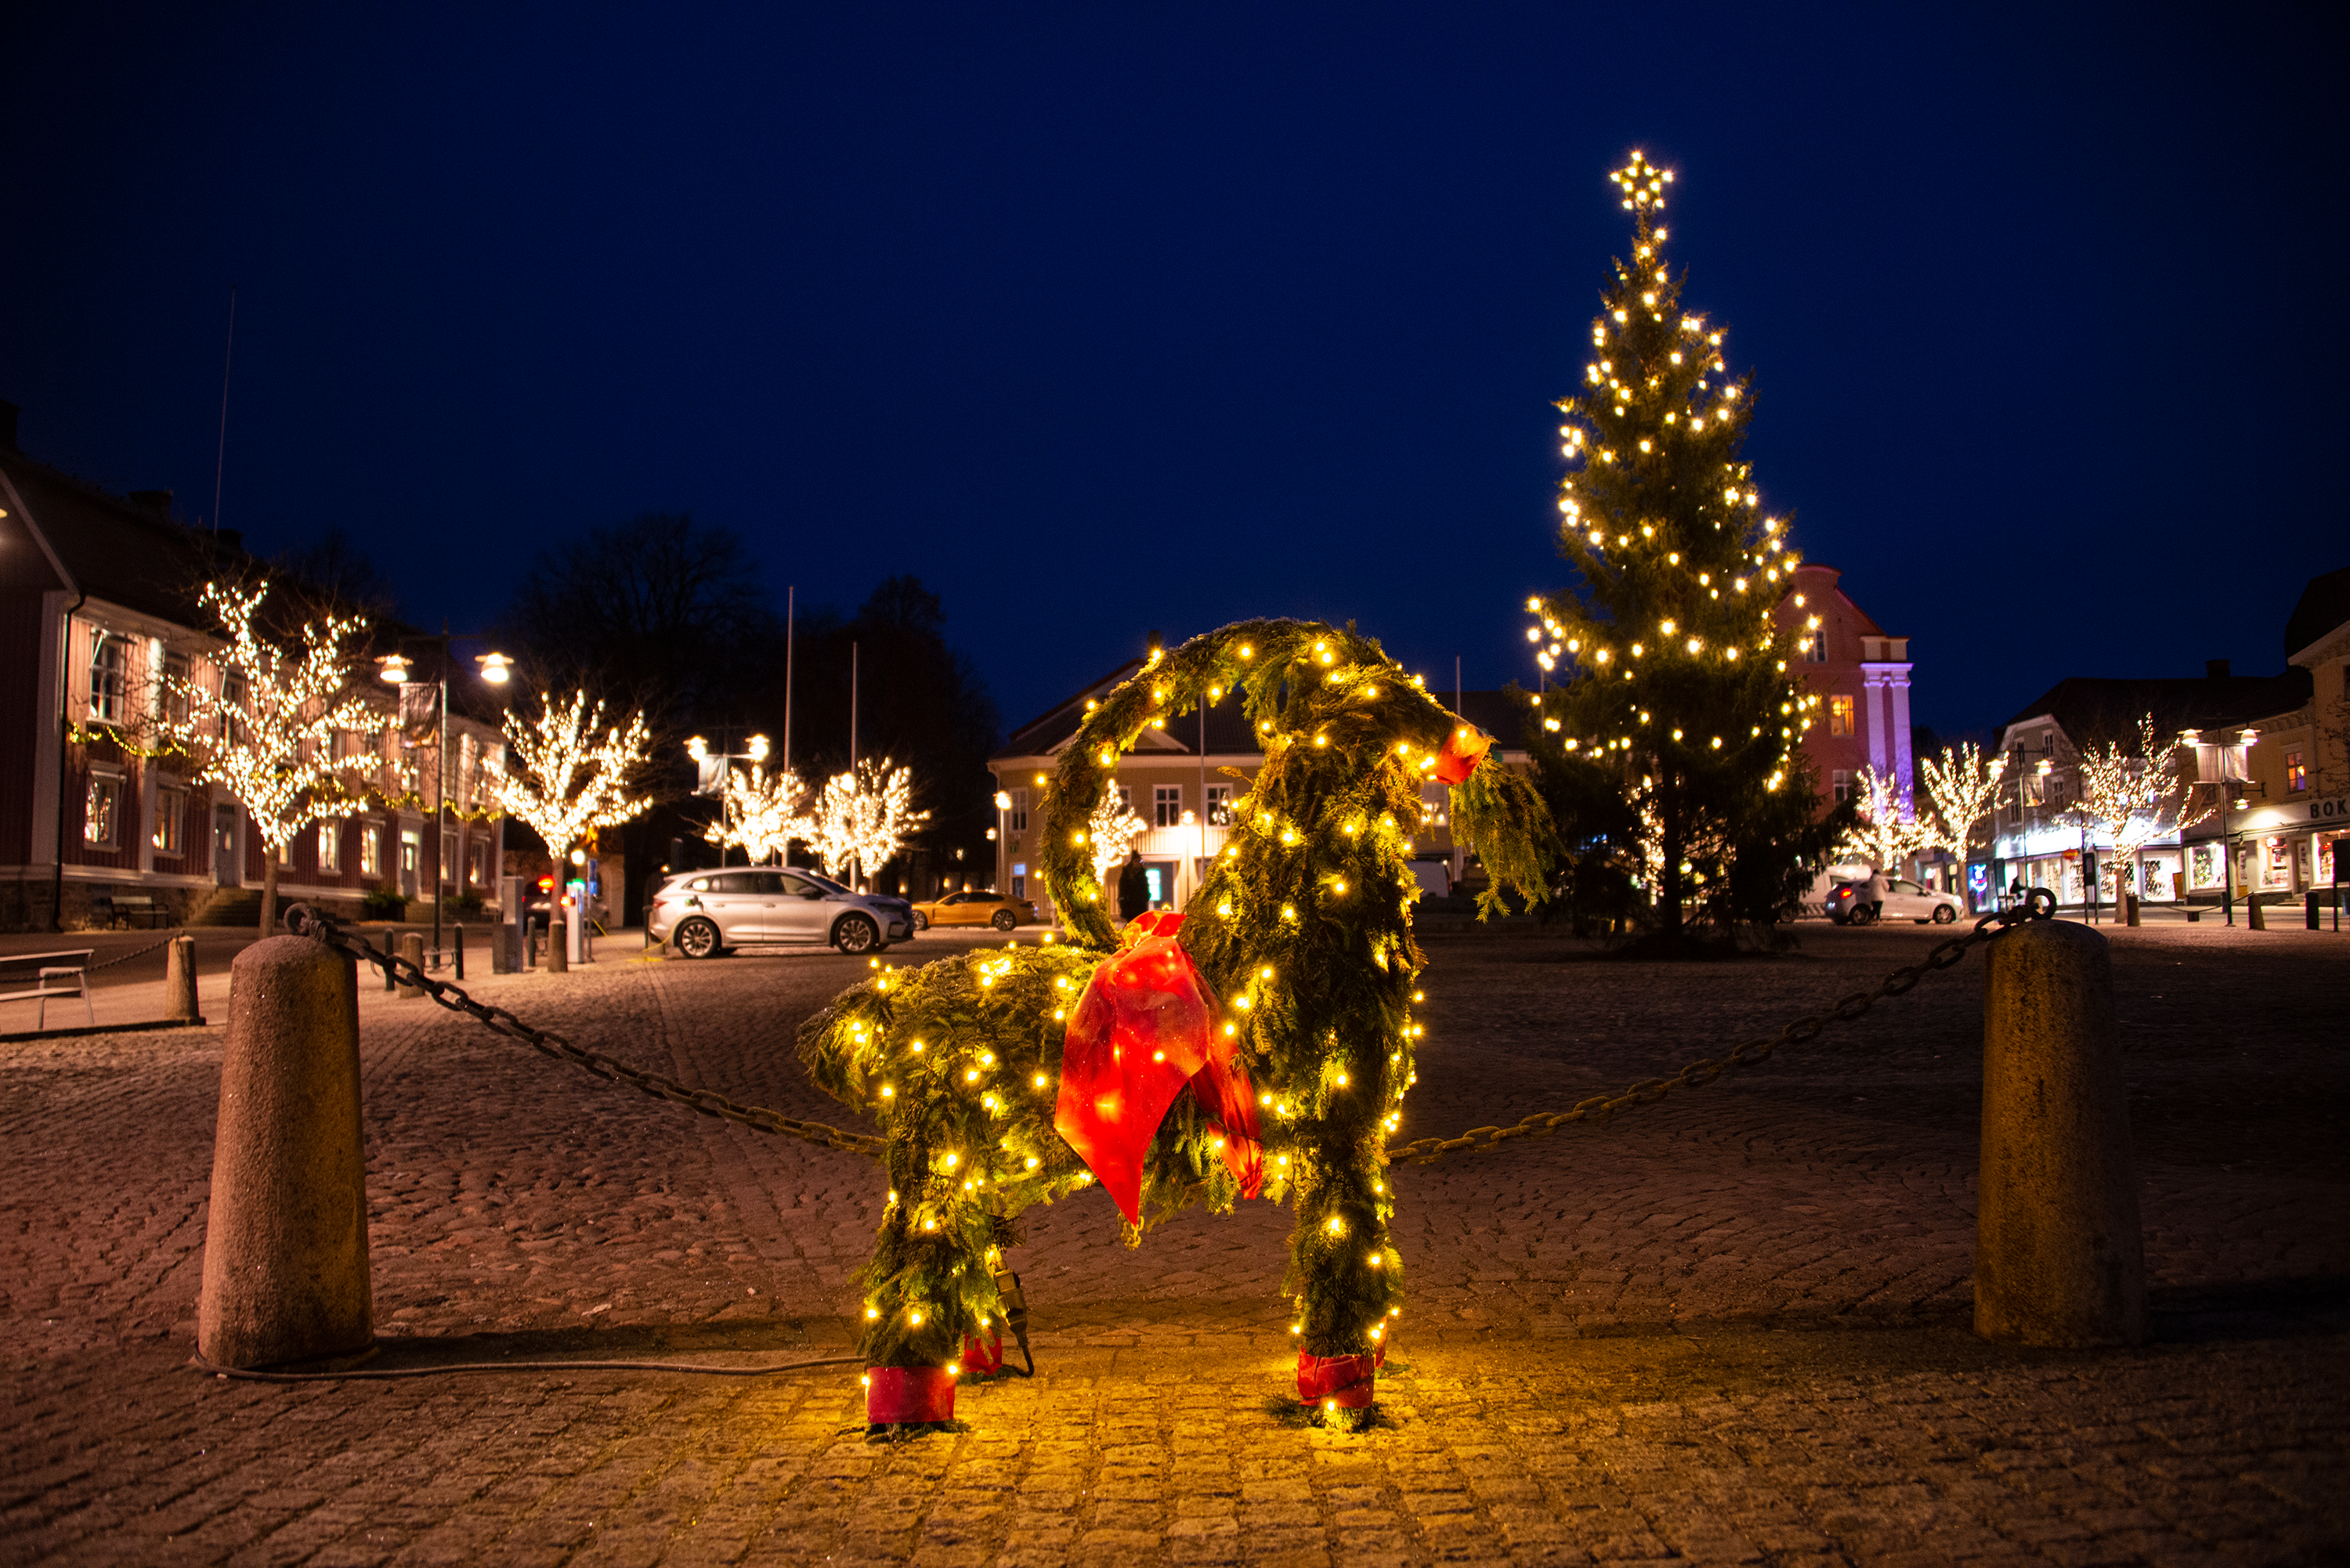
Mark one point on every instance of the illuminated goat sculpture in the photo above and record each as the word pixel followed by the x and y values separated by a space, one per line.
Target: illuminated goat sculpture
pixel 1260 1044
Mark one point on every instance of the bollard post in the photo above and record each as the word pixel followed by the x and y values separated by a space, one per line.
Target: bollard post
pixel 2131 905
pixel 180 981
pixel 501 949
pixel 459 932
pixel 558 962
pixel 285 1244
pixel 2060 1256
pixel 388 981
pixel 411 948
pixel 2253 918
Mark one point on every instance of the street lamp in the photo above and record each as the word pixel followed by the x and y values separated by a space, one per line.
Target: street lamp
pixel 394 668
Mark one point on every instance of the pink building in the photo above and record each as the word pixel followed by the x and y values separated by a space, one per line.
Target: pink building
pixel 1862 677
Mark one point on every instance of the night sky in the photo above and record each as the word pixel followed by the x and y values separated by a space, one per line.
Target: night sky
pixel 1108 318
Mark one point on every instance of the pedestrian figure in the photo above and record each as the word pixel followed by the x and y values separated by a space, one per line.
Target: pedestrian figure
pixel 1133 887
pixel 1872 893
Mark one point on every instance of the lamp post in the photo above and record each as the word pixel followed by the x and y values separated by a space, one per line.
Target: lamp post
pixel 755 752
pixel 494 668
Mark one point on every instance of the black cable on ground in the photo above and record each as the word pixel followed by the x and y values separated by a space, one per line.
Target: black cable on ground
pixel 389 1375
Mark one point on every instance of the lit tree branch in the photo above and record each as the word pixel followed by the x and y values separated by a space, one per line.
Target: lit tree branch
pixel 565 779
pixel 760 813
pixel 2131 797
pixel 1886 836
pixel 1963 788
pixel 863 816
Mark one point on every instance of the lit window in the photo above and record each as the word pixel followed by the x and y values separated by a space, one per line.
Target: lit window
pixel 1816 651
pixel 1840 716
pixel 1840 785
pixel 231 700
pixel 370 853
pixel 1017 818
pixel 101 812
pixel 175 688
pixel 330 848
pixel 448 867
pixel 2297 774
pixel 1125 798
pixel 170 812
pixel 1220 806
pixel 1167 806
pixel 106 664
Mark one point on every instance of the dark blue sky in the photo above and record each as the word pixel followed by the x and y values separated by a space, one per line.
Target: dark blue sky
pixel 1104 319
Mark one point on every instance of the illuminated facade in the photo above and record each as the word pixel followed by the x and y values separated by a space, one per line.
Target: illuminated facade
pixel 1861 675
pixel 97 603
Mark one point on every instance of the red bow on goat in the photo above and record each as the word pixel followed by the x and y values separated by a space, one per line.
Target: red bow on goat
pixel 1145 1027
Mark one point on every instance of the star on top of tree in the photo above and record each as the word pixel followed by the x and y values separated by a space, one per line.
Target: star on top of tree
pixel 1643 183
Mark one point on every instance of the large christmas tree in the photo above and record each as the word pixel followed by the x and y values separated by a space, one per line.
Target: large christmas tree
pixel 1675 698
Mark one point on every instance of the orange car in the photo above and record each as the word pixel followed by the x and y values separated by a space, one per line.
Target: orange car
pixel 975 909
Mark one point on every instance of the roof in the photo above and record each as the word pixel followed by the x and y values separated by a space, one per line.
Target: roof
pixel 127 552
pixel 2324 605
pixel 1499 713
pixel 1805 581
pixel 2091 709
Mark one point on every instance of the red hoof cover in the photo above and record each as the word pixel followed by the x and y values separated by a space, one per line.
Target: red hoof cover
pixel 1349 1382
pixel 897 1395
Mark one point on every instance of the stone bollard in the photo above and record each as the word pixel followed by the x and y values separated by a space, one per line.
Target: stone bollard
pixel 2060 1256
pixel 411 948
pixel 2130 903
pixel 2253 918
pixel 388 981
pixel 286 1245
pixel 180 981
pixel 558 956
pixel 458 948
pixel 501 953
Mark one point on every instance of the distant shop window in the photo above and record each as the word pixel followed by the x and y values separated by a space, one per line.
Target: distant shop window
pixel 370 853
pixel 175 688
pixel 1840 715
pixel 1840 784
pixel 1167 806
pixel 170 812
pixel 105 667
pixel 1816 651
pixel 1017 817
pixel 330 848
pixel 1220 806
pixel 101 812
pixel 2296 774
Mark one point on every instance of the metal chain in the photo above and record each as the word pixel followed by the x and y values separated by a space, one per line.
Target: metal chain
pixel 2039 905
pixel 303 920
pixel 140 952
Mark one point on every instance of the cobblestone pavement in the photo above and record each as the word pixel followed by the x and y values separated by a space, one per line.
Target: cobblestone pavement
pixel 1730 1327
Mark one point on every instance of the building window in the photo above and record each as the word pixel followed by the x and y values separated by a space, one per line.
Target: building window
pixel 106 678
pixel 477 866
pixel 1220 806
pixel 171 815
pixel 1840 715
pixel 175 688
pixel 1167 806
pixel 232 699
pixel 411 846
pixel 285 852
pixel 330 848
pixel 101 810
pixel 1816 651
pixel 370 852
pixel 1015 818
pixel 2297 774
pixel 1840 785
pixel 449 858
pixel 1125 798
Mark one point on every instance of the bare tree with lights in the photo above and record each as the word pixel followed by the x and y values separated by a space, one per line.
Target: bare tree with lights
pixel 566 772
pixel 268 731
pixel 760 813
pixel 1962 788
pixel 864 816
pixel 1111 831
pixel 2133 794
pixel 1885 834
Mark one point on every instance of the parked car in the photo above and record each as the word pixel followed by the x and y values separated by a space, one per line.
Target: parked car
pixel 976 909
pixel 703 914
pixel 1903 900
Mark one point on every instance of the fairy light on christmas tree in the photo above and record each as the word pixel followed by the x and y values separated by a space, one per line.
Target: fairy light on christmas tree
pixel 566 772
pixel 1668 671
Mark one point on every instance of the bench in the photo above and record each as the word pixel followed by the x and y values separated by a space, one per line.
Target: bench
pixel 49 975
pixel 108 908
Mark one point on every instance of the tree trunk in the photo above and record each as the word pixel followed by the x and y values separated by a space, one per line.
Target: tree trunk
pixel 268 887
pixel 1668 880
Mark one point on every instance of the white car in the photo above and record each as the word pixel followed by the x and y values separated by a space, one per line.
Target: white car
pixel 704 913
pixel 1904 899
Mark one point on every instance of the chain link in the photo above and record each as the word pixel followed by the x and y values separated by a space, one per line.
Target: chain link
pixel 305 921
pixel 137 952
pixel 2039 905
